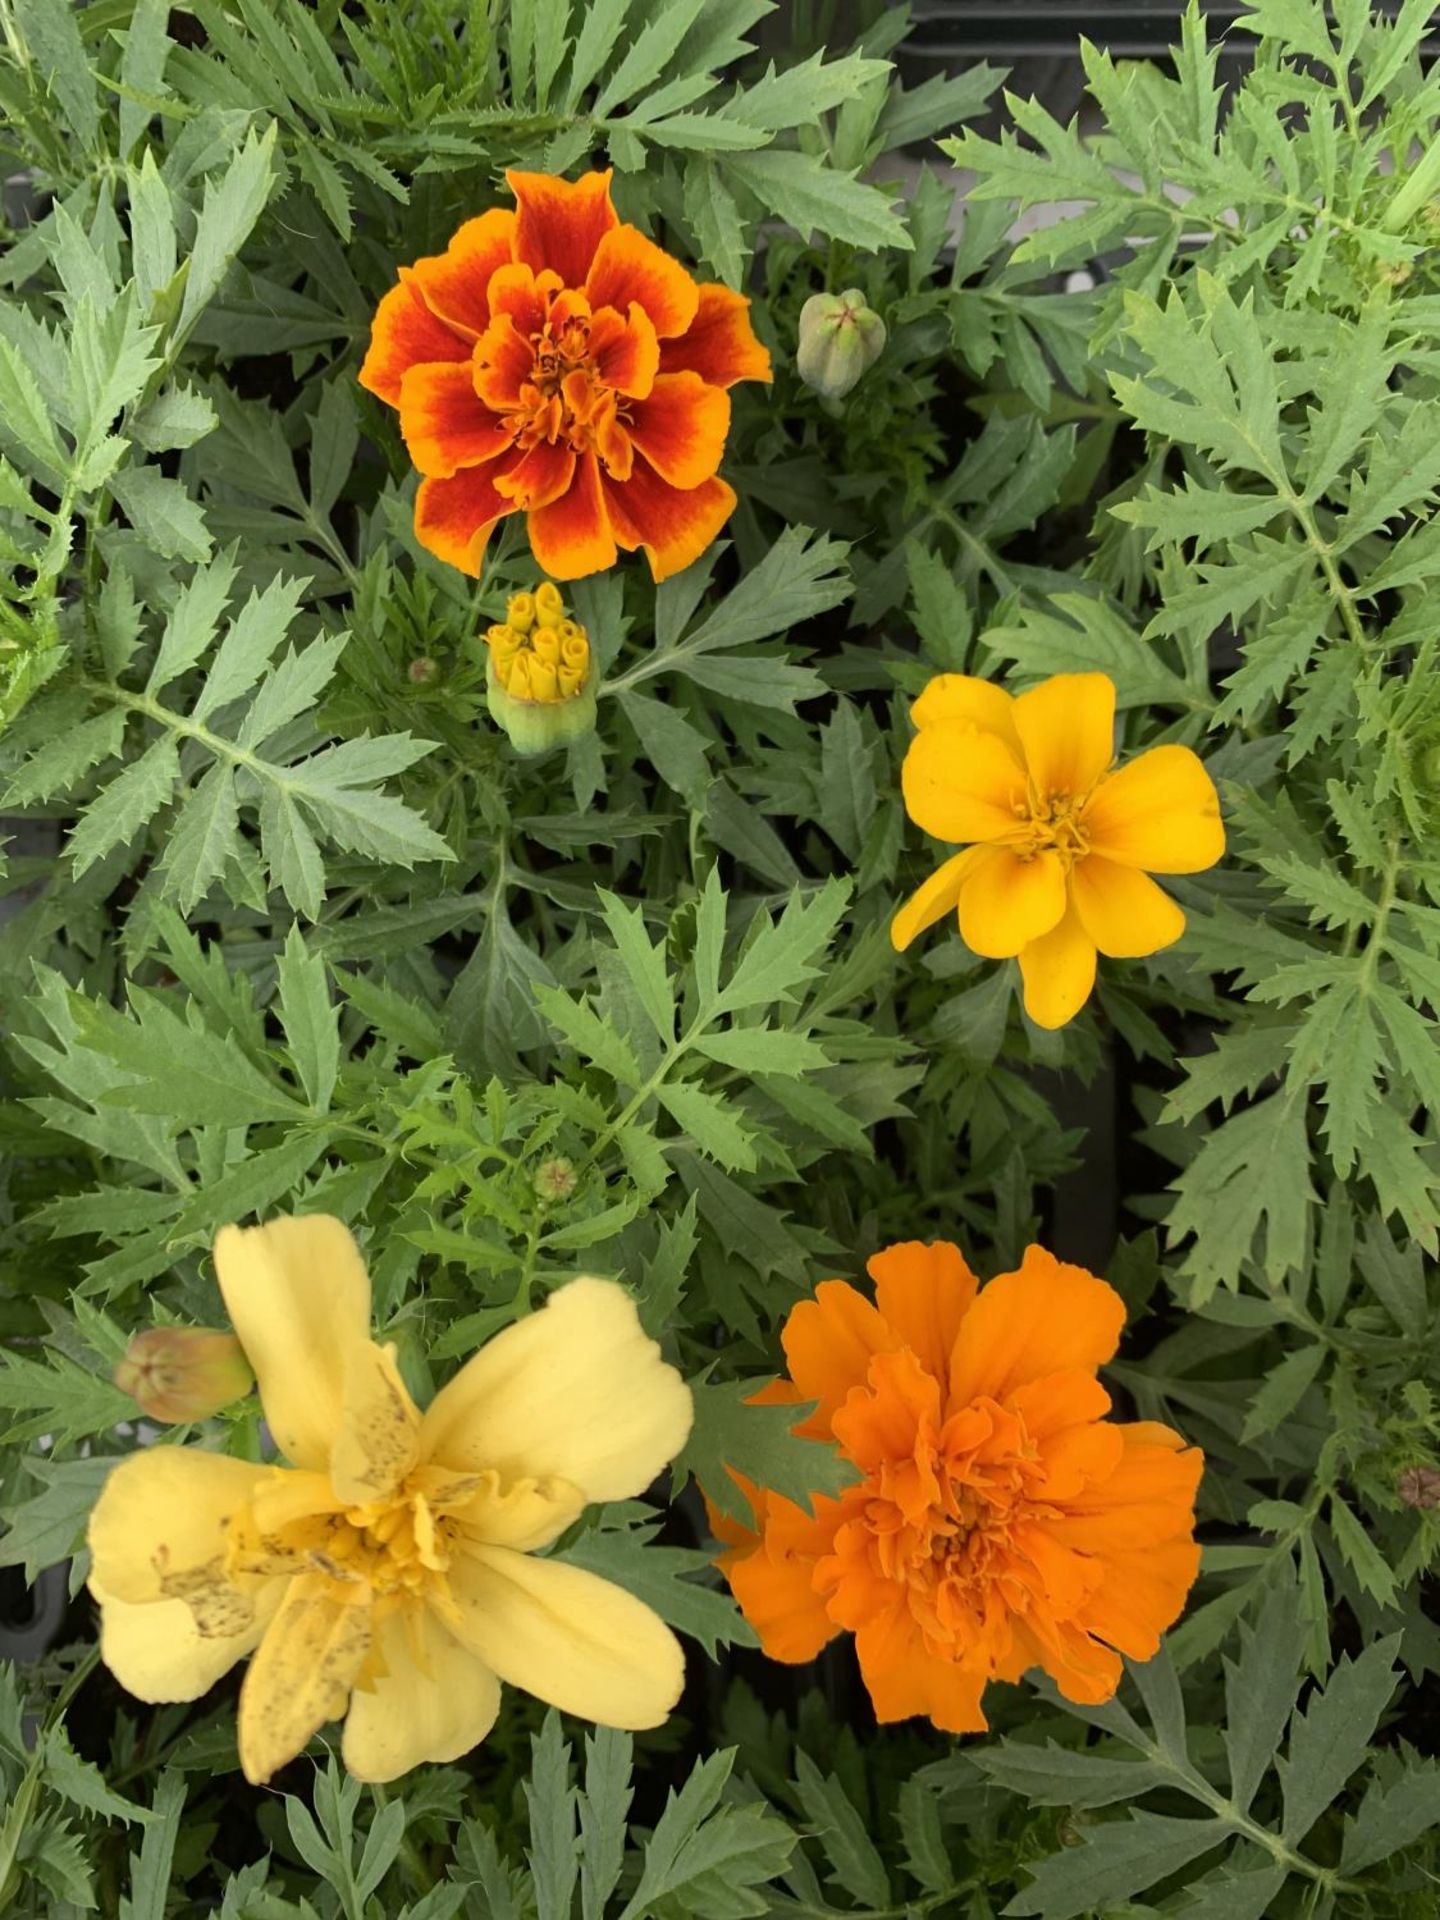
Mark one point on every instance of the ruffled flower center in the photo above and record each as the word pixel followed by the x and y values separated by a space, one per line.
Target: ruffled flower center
pixel 1051 822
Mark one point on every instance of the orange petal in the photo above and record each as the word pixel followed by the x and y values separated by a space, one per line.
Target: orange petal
pixel 774 1582
pixel 504 363
pixel 405 334
pixel 978 703
pixel 1149 1497
pixel 539 476
pixel 923 1292
pixel 681 428
pixel 1142 1594
pixel 885 1422
pixel 626 351
pixel 1058 971
pixel 933 898
pixel 1078 1456
pixel 453 517
pixel 454 284
pixel 1161 812
pixel 1006 901
pixel 444 424
pixel 560 223
pixel 1045 1318
pixel 1122 910
pixel 674 526
pixel 1059 1400
pixel 1083 1669
pixel 1067 725
pixel 571 536
pixel 829 1343
pixel 719 344
pixel 904 1678
pixel 961 784
pixel 517 290
pixel 629 267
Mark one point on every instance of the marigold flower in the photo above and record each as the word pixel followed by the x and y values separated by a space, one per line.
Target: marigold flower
pixel 389 1573
pixel 1001 1522
pixel 1065 842
pixel 184 1373
pixel 555 362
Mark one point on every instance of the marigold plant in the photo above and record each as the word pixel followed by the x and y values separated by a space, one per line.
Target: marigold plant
pixel 999 1522
pixel 554 362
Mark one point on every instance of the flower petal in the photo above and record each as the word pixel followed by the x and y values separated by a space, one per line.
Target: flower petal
pixel 1058 1401
pixel 157 1532
pixel 571 536
pixel 1067 726
pixel 454 284
pixel 1006 901
pixel 903 1678
pixel 444 424
pixel 933 898
pixel 1143 1593
pixel 829 1343
pixel 977 703
pixel 298 1296
pixel 157 1652
pixel 522 295
pixel 309 1659
pixel 892 1422
pixel 525 1514
pixel 1045 1318
pixel 560 223
pixel 1122 910
pixel 1161 812
pixel 577 1392
pixel 453 517
pixel 405 334
pixel 434 1702
pixel 629 267
pixel 1149 1497
pixel 771 1573
pixel 674 526
pixel 962 784
pixel 568 1637
pixel 719 344
pixel 923 1292
pixel 541 475
pixel 626 351
pixel 681 428
pixel 1058 971
pixel 504 364
pixel 378 1438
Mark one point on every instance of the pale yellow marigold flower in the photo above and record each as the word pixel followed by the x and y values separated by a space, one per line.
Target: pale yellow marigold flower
pixel 391 1572
pixel 1064 842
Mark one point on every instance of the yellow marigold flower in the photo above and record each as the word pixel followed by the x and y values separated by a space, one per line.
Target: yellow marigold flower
pixel 184 1373
pixel 1064 842
pixel 539 678
pixel 390 1572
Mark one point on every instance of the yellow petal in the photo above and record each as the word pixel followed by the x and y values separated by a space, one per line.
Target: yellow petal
pixel 961 784
pixel 575 1392
pixel 979 703
pixel 298 1296
pixel 567 1636
pixel 378 1440
pixel 932 899
pixel 309 1659
pixel 158 1529
pixel 1058 970
pixel 1007 902
pixel 1123 910
pixel 525 1514
pixel 1161 812
pixel 157 1652
pixel 434 1701
pixel 1068 726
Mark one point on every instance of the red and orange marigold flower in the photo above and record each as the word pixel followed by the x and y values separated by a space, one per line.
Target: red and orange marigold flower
pixel 556 363
pixel 1001 1522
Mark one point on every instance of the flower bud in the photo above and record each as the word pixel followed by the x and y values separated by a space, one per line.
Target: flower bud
pixel 1420 1487
pixel 184 1373
pixel 839 339
pixel 539 677
pixel 424 670
pixel 555 1179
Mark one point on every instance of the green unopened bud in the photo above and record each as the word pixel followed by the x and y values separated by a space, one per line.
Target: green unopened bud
pixel 424 670
pixel 555 1179
pixel 840 338
pixel 539 676
pixel 184 1373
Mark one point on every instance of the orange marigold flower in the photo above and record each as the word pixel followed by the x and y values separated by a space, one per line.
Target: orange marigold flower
pixel 556 363
pixel 1001 1522
pixel 1064 843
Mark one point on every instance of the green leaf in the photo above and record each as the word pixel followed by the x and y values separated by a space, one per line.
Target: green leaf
pixel 644 963
pixel 83 1784
pixel 1281 1391
pixel 1260 1691
pixel 227 219
pixel 592 1038
pixel 310 1019
pixel 1052 1776
pixel 704 1857
pixel 1393 1816
pixel 150 1871
pixel 855 1862
pixel 1331 1737
pixel 762 1050
pixel 162 513
pixel 710 1123
pixel 812 197
pixel 669 1579
pixel 756 1442
pixel 1113 1862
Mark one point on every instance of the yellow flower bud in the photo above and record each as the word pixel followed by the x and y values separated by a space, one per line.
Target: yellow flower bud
pixel 539 684
pixel 520 611
pixel 549 606
pixel 546 643
pixel 184 1373
pixel 517 681
pixel 544 682
pixel 840 338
